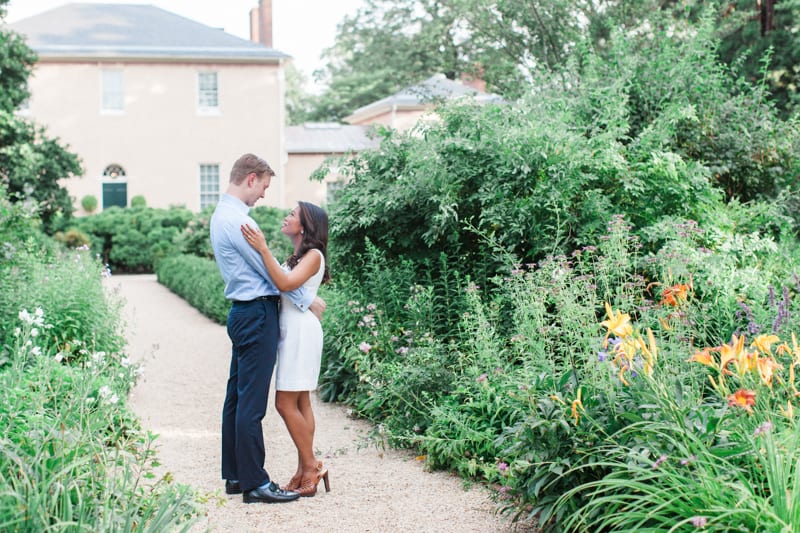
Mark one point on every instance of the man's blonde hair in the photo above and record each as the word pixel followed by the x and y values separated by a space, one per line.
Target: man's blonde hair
pixel 249 163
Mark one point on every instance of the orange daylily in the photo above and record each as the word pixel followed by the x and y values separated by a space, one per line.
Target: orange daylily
pixel 764 343
pixel 789 411
pixel 766 368
pixel 735 353
pixel 703 357
pixel 619 324
pixel 675 294
pixel 576 404
pixel 743 398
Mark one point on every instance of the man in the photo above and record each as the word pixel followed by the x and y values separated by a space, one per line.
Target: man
pixel 253 330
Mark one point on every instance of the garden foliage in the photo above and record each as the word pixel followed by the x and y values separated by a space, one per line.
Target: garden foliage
pixel 73 456
pixel 475 258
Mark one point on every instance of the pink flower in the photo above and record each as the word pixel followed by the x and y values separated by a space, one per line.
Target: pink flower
pixel 482 378
pixel 365 347
pixel 659 461
pixel 699 521
pixel 502 467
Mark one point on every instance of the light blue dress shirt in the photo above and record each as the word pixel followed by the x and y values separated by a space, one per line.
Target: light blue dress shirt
pixel 246 278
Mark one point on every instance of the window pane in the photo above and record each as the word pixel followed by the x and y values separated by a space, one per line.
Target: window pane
pixel 209 185
pixel 332 190
pixel 207 90
pixel 113 90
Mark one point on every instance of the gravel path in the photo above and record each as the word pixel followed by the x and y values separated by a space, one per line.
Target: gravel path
pixel 179 397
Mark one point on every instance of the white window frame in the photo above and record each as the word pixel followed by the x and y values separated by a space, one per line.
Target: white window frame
pixel 24 107
pixel 208 178
pixel 208 92
pixel 112 91
pixel 333 188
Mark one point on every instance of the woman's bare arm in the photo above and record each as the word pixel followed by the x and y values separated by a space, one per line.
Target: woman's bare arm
pixel 285 281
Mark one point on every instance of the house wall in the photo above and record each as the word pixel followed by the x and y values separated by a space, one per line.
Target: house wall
pixel 298 187
pixel 399 119
pixel 161 138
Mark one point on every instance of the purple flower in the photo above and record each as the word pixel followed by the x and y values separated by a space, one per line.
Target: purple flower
pixel 699 521
pixel 763 428
pixel 659 461
pixel 601 356
pixel 502 467
pixel 688 460
pixel 482 378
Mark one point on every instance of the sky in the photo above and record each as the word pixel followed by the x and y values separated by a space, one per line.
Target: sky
pixel 300 28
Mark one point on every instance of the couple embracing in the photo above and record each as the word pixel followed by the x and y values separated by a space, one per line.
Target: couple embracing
pixel 274 316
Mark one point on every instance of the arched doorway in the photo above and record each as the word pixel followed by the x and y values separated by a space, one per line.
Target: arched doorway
pixel 115 186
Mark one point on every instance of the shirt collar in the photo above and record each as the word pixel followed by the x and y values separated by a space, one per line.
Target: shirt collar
pixel 234 202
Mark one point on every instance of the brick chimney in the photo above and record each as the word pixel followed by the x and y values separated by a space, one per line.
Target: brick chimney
pixel 261 23
pixel 474 79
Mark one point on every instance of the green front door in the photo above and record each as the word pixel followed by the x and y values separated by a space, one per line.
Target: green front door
pixel 115 194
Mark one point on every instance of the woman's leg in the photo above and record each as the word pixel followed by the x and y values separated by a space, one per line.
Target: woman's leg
pixel 304 404
pixel 289 405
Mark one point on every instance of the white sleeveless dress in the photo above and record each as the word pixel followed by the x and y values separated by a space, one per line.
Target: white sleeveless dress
pixel 300 344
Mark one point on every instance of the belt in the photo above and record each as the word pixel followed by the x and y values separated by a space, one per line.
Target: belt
pixel 268 298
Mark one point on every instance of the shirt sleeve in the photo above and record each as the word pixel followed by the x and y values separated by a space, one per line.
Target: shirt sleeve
pixel 301 298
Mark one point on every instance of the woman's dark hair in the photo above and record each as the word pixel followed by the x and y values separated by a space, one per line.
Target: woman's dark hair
pixel 314 221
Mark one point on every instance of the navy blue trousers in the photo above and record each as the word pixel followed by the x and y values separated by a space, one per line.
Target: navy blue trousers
pixel 253 330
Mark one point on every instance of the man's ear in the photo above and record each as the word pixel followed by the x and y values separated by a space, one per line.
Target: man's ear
pixel 251 178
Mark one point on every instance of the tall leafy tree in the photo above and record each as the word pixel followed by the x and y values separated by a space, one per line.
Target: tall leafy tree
pixel 763 38
pixel 386 46
pixel 31 163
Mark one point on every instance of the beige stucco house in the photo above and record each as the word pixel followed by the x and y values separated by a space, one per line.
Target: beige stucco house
pixel 155 104
pixel 309 146
pixel 159 106
pixel 404 109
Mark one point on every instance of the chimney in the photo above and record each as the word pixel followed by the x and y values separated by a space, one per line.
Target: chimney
pixel 261 23
pixel 474 79
pixel 254 24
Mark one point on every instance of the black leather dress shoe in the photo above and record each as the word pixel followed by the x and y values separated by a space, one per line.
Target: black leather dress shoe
pixel 232 487
pixel 269 493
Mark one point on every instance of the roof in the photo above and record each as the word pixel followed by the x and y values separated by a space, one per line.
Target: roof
pixel 328 138
pixel 133 31
pixel 434 88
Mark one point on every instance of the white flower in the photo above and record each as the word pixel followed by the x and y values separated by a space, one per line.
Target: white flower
pixel 36 350
pixel 25 316
pixel 59 357
pixel 125 362
pixel 34 332
pixel 17 332
pixel 105 391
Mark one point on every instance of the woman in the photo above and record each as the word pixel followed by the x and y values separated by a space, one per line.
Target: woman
pixel 300 344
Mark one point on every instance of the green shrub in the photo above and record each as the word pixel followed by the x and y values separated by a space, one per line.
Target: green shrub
pixel 138 201
pixel 198 281
pixel 89 203
pixel 72 238
pixel 134 239
pixel 72 452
